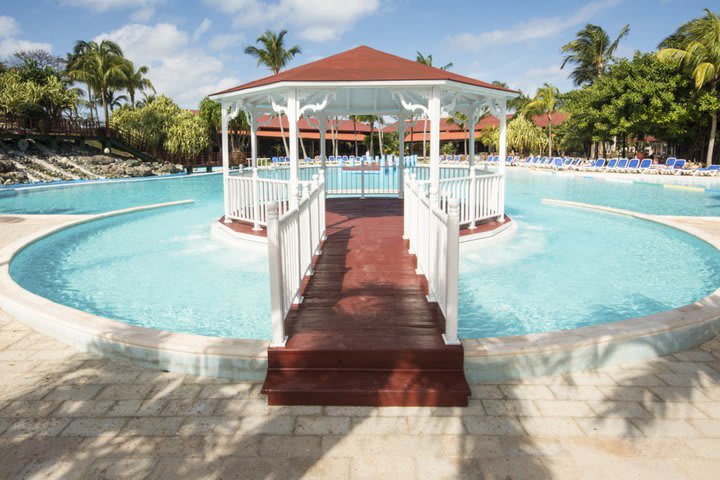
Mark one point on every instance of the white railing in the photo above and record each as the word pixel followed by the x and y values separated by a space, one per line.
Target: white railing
pixel 480 196
pixel 293 239
pixel 249 197
pixel 434 238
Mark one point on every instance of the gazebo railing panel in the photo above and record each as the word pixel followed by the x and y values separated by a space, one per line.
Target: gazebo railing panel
pixel 293 239
pixel 434 237
pixel 249 197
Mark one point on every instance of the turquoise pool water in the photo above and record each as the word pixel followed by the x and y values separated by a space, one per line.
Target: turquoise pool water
pixel 563 268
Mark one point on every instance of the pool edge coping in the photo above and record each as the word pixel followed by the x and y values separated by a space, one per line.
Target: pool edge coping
pixel 510 356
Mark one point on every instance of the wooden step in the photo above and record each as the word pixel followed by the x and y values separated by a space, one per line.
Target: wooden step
pixel 367 388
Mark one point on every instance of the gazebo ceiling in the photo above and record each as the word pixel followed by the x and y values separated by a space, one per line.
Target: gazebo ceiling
pixel 364 81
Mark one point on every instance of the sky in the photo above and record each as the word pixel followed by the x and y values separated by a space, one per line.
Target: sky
pixel 194 48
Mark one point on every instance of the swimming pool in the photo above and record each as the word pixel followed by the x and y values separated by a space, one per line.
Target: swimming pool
pixel 564 268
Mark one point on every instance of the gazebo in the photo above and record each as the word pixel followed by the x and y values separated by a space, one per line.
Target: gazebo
pixel 287 205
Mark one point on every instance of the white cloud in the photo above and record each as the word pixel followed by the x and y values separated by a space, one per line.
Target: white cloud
pixel 177 69
pixel 318 20
pixel 536 77
pixel 144 9
pixel 143 15
pixel 201 29
pixel 226 40
pixel 8 46
pixel 532 29
pixel 146 44
pixel 9 43
pixel 8 27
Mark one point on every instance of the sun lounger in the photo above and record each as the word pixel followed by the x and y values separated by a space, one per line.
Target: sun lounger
pixel 711 170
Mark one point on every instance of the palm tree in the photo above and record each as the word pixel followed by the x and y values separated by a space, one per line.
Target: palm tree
pixel 101 66
pixel 136 81
pixel 591 53
pixel 698 50
pixel 461 120
pixel 273 55
pixel 146 100
pixel 114 100
pixel 544 103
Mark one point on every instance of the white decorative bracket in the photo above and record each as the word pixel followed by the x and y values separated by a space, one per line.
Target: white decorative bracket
pixel 234 110
pixel 497 108
pixel 316 107
pixel 409 106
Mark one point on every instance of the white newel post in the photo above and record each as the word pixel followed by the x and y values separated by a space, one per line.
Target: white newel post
pixel 406 208
pixel 471 145
pixel 292 114
pixel 472 201
pixel 434 114
pixel 323 130
pixel 401 165
pixel 503 155
pixel 252 117
pixel 225 162
pixel 452 273
pixel 275 261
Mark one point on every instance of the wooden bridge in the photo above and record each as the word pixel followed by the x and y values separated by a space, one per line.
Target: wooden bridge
pixel 365 333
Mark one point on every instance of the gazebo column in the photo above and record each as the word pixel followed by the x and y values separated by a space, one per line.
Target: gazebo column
pixel 292 114
pixel 252 120
pixel 401 155
pixel 323 130
pixel 434 115
pixel 503 153
pixel 253 139
pixel 471 146
pixel 224 120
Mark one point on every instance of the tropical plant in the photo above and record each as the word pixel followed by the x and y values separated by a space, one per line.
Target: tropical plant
pixel 524 137
pixel 187 135
pixel 152 122
pixel 28 98
pixel 101 66
pixel 115 99
pixel 698 51
pixel 136 81
pixel 591 52
pixel 273 55
pixel 544 103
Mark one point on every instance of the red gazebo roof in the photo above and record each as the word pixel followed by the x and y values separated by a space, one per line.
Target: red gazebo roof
pixel 363 64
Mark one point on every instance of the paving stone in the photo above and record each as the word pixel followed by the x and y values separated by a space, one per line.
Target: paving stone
pixel 550 427
pixel 121 469
pixel 619 409
pixel 564 408
pixel 124 392
pixel 673 410
pixel 373 468
pixel 493 426
pixel 510 407
pixel 29 408
pixel 707 427
pixel 227 391
pixel 176 407
pixel 136 408
pixel 271 425
pixel 36 427
pixel 290 446
pixel 83 408
pixel 380 425
pixel 665 428
pixel 633 394
pixel 576 392
pixel 529 468
pixel 482 392
pixel 527 392
pixel 608 427
pixel 321 425
pixel 207 425
pixel 93 427
pixel 153 426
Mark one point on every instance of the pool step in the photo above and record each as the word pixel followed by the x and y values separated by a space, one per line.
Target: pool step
pixel 378 388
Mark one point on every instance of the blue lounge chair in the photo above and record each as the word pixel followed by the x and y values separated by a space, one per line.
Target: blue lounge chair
pixel 710 170
pixel 678 167
pixel 599 165
pixel 645 165
pixel 622 165
pixel 633 165
pixel 612 163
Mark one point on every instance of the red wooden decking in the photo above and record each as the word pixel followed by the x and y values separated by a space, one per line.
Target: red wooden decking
pixel 365 333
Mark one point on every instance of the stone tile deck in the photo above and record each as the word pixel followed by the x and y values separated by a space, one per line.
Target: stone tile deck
pixel 65 414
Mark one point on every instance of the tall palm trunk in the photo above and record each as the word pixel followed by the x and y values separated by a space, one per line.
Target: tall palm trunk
pixel 282 134
pixel 106 110
pixel 372 140
pixel 711 142
pixel 302 144
pixel 549 135
pixel 380 140
pixel 424 137
pixel 355 135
